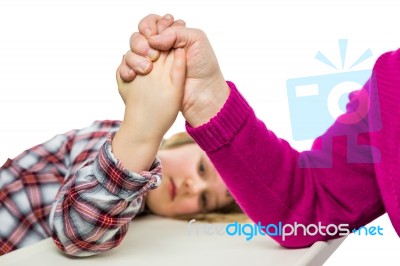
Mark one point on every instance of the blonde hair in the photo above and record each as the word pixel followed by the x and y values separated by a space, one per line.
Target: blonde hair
pixel 229 213
pixel 176 140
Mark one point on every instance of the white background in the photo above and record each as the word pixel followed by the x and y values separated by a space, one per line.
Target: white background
pixel 58 61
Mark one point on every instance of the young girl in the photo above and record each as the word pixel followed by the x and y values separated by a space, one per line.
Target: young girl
pixel 85 186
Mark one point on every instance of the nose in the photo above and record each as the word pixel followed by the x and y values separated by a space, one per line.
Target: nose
pixel 193 187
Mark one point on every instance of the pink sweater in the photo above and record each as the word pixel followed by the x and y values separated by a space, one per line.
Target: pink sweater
pixel 333 183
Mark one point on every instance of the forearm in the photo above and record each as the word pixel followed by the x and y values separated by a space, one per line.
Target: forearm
pixel 134 145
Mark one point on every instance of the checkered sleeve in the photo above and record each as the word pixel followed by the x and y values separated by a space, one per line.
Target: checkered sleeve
pixel 28 185
pixel 93 209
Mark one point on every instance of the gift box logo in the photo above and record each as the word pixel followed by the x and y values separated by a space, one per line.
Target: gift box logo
pixel 316 102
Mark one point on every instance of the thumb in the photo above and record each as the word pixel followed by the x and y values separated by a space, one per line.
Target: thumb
pixel 175 37
pixel 178 71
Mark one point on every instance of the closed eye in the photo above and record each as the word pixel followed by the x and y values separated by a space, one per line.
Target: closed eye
pixel 201 168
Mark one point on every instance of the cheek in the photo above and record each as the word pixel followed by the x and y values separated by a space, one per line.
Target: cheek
pixel 176 164
pixel 174 167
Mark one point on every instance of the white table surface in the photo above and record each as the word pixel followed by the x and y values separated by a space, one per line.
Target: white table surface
pixel 154 240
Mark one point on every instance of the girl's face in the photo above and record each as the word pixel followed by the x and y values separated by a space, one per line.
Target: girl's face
pixel 190 184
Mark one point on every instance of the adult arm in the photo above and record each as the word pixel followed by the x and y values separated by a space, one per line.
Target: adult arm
pixel 274 183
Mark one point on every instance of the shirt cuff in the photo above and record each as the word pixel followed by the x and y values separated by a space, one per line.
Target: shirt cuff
pixel 222 128
pixel 128 185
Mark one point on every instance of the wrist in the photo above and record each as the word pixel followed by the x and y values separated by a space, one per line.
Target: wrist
pixel 226 125
pixel 135 149
pixel 200 109
pixel 141 125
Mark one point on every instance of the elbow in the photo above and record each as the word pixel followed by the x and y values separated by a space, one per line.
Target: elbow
pixel 94 243
pixel 71 250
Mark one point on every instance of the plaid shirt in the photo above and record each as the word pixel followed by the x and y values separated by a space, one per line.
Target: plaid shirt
pixel 73 189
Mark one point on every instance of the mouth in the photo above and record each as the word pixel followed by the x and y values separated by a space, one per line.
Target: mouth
pixel 172 189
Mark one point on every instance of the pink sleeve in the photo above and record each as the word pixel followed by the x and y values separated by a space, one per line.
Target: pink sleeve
pixel 276 185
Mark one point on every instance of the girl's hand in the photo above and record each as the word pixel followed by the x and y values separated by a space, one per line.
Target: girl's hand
pixel 153 101
pixel 152 104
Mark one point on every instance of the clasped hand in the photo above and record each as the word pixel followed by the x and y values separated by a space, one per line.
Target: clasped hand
pixel 169 68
